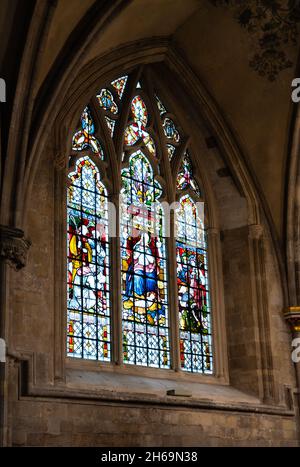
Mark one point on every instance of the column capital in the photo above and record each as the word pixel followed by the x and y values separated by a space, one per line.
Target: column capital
pixel 292 316
pixel 255 231
pixel 13 246
pixel 213 231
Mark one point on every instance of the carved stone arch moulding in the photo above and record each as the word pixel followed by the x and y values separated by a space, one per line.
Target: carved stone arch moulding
pixel 64 115
pixel 124 60
pixel 216 280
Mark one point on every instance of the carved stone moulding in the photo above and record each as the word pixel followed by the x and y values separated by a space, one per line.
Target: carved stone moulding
pixel 13 246
pixel 292 316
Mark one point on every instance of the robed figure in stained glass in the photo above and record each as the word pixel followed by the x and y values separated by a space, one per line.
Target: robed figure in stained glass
pixel 144 281
pixel 88 264
pixel 191 289
pixel 142 291
pixel 85 278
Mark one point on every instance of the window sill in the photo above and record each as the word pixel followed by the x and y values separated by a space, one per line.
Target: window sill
pixel 119 385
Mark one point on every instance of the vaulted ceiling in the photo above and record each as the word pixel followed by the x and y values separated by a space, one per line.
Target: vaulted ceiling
pixel 215 46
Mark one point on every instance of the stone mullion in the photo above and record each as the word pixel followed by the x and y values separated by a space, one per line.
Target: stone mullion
pixel 170 179
pixel 173 297
pixel 218 328
pixel 115 286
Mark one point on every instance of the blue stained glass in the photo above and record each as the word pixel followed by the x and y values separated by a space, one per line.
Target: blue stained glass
pixel 88 333
pixel 143 258
pixel 106 101
pixel 170 130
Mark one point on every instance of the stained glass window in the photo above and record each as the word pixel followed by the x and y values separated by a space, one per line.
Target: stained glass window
pixel 146 284
pixel 135 132
pixel 88 334
pixel 111 125
pixel 161 107
pixel 193 290
pixel 170 130
pixel 106 101
pixel 192 277
pixel 119 85
pixel 185 178
pixel 171 151
pixel 144 277
pixel 84 138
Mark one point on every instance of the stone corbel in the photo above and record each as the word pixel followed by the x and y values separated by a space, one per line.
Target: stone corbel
pixel 255 231
pixel 292 317
pixel 13 246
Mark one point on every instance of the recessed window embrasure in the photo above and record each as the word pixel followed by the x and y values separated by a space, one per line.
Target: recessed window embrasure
pixel 144 249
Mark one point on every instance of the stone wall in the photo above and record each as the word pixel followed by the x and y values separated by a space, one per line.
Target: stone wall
pixel 36 419
pixel 49 423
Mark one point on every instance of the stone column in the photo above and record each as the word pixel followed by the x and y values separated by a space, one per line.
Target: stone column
pixel 292 316
pixel 13 252
pixel 261 314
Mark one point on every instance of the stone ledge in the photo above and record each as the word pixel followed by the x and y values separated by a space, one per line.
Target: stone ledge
pixel 116 398
pixel 221 398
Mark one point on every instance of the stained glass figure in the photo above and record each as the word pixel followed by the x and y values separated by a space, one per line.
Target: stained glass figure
pixel 193 290
pixel 149 143
pixel 185 178
pixel 170 130
pixel 131 135
pixel 119 85
pixel 139 111
pixel 88 333
pixel 161 107
pixel 144 276
pixel 84 138
pixel 137 131
pixel 171 151
pixel 106 101
pixel 111 125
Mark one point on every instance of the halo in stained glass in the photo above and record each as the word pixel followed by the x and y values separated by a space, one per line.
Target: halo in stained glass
pixel 185 177
pixel 170 130
pixel 193 290
pixel 119 85
pixel 106 101
pixel 143 259
pixel 88 333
